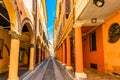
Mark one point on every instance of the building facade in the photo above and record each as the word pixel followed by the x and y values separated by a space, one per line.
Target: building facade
pixel 86 34
pixel 23 35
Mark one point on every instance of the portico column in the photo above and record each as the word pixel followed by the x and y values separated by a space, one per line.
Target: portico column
pixel 42 54
pixel 63 52
pixel 45 53
pixel 31 66
pixel 39 55
pixel 14 54
pixel 69 67
pixel 79 73
pixel 59 54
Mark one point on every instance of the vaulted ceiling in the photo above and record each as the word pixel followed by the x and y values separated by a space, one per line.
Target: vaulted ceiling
pixel 4 17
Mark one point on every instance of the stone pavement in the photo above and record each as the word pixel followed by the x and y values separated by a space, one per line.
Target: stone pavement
pixel 50 69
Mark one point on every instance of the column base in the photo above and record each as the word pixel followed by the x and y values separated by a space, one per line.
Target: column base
pixel 13 78
pixel 69 68
pixel 80 76
pixel 60 62
pixel 64 65
pixel 31 68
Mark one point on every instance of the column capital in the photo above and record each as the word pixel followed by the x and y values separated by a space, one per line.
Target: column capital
pixel 39 47
pixel 32 45
pixel 79 76
pixel 68 36
pixel 14 35
pixel 77 24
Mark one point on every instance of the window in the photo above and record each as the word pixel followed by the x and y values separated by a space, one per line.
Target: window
pixel 67 7
pixel 59 8
pixel 93 41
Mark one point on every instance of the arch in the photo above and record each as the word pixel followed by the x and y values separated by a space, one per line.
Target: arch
pixel 26 21
pixel 27 41
pixel 10 6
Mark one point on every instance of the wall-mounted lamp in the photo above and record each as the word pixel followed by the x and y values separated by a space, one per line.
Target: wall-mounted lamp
pixel 93 20
pixel 99 3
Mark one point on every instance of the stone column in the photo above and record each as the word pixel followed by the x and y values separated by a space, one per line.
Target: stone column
pixel 39 55
pixel 60 53
pixel 63 52
pixel 46 52
pixel 43 54
pixel 48 55
pixel 31 66
pixel 14 54
pixel 69 67
pixel 79 73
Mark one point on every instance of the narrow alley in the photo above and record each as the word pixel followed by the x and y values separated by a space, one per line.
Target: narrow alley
pixel 59 39
pixel 50 69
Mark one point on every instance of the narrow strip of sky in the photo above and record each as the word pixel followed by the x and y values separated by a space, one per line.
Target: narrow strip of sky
pixel 51 4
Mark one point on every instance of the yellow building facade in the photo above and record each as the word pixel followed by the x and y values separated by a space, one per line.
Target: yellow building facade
pixel 23 35
pixel 86 34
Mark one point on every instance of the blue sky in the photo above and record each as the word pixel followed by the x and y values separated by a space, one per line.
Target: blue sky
pixel 51 15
